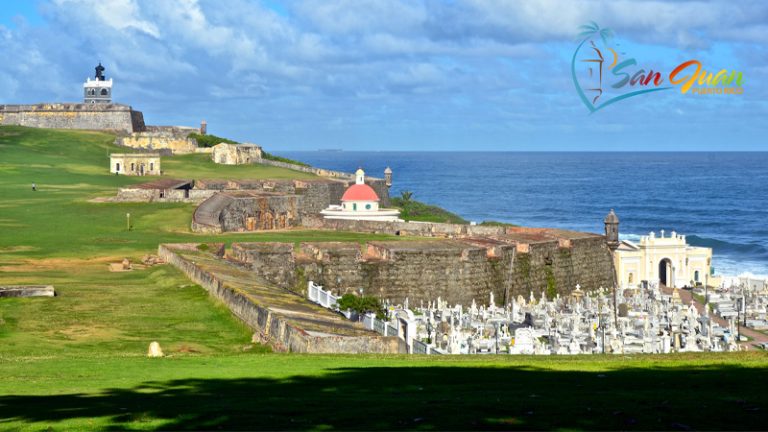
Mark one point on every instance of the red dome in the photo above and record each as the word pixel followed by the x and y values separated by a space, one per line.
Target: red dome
pixel 360 192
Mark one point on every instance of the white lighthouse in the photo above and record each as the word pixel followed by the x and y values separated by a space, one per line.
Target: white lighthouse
pixel 98 89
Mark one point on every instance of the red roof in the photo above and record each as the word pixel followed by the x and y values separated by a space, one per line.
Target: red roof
pixel 360 192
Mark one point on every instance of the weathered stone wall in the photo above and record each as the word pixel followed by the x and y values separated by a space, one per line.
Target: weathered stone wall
pixel 260 212
pixel 130 194
pixel 550 269
pixel 422 229
pixel 165 139
pixel 27 291
pixel 246 211
pixel 303 198
pixel 110 117
pixel 270 327
pixel 455 270
pixel 275 261
pixel 236 154
pixel 379 185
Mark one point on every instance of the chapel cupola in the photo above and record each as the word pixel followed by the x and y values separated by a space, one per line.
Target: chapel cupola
pixel 359 176
pixel 99 88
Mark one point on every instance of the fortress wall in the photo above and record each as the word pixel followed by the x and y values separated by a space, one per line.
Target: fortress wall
pixel 422 229
pixel 175 142
pixel 274 262
pixel 129 194
pixel 317 196
pixel 112 117
pixel 379 185
pixel 264 212
pixel 272 328
pixel 457 271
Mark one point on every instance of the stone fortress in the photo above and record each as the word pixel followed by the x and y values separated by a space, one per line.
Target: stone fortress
pixel 96 112
pixel 266 284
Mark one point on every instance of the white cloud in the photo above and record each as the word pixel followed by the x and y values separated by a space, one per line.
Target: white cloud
pixel 429 61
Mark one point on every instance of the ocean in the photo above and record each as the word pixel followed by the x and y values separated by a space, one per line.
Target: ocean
pixel 718 200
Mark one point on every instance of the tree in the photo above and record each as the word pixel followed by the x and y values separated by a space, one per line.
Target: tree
pixel 406 197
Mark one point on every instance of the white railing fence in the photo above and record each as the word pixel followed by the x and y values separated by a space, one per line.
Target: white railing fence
pixel 326 299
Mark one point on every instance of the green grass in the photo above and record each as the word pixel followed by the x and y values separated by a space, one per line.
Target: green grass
pixel 76 361
pixel 209 140
pixel 278 391
pixel 212 140
pixel 421 212
pixel 497 223
pixel 199 166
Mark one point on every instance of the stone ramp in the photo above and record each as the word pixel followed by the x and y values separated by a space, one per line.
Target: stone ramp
pixel 280 318
pixel 207 213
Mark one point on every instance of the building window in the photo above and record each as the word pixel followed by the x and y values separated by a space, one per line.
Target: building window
pixel 133 166
pixel 354 206
pixel 104 92
pixel 117 167
pixel 631 278
pixel 367 206
pixel 151 166
pixel 696 276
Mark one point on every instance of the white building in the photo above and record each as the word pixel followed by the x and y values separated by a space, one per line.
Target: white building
pixel 668 260
pixel 360 202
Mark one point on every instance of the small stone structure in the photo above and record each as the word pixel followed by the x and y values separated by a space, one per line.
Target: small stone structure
pixel 236 154
pixel 155 350
pixel 247 211
pixel 165 190
pixel 27 291
pixel 135 164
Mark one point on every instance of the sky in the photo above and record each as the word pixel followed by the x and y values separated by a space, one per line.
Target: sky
pixel 379 75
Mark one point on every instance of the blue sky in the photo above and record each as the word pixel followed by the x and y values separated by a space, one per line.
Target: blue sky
pixel 394 75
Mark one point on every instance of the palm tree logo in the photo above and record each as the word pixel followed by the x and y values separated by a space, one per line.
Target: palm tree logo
pixel 590 32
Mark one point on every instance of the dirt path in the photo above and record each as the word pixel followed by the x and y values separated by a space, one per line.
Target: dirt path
pixel 687 297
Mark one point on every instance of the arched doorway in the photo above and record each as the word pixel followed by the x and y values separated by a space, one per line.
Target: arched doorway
pixel 665 272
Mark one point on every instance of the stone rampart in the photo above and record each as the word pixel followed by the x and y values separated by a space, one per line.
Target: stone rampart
pixel 421 270
pixel 109 117
pixel 166 139
pixel 307 198
pixel 271 327
pixel 421 229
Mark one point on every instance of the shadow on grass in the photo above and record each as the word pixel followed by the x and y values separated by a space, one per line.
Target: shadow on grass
pixel 725 397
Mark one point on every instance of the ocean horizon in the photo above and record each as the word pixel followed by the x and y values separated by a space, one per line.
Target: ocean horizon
pixel 716 198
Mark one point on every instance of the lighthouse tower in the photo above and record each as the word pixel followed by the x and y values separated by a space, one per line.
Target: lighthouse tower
pixel 98 89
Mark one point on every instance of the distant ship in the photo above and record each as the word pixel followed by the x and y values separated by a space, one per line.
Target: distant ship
pixel 330 150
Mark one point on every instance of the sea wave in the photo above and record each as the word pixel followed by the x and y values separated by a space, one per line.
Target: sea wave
pixel 748 249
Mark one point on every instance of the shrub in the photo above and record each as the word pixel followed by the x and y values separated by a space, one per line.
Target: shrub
pixel 209 140
pixel 361 304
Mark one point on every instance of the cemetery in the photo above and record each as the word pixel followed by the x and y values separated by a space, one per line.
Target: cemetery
pixel 646 321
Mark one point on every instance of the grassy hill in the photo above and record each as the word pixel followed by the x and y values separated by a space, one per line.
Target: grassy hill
pixel 77 361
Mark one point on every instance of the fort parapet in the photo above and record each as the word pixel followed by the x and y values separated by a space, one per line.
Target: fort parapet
pixel 110 117
pixel 520 261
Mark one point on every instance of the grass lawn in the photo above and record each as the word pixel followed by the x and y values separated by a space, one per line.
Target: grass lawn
pixel 76 361
pixel 280 391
